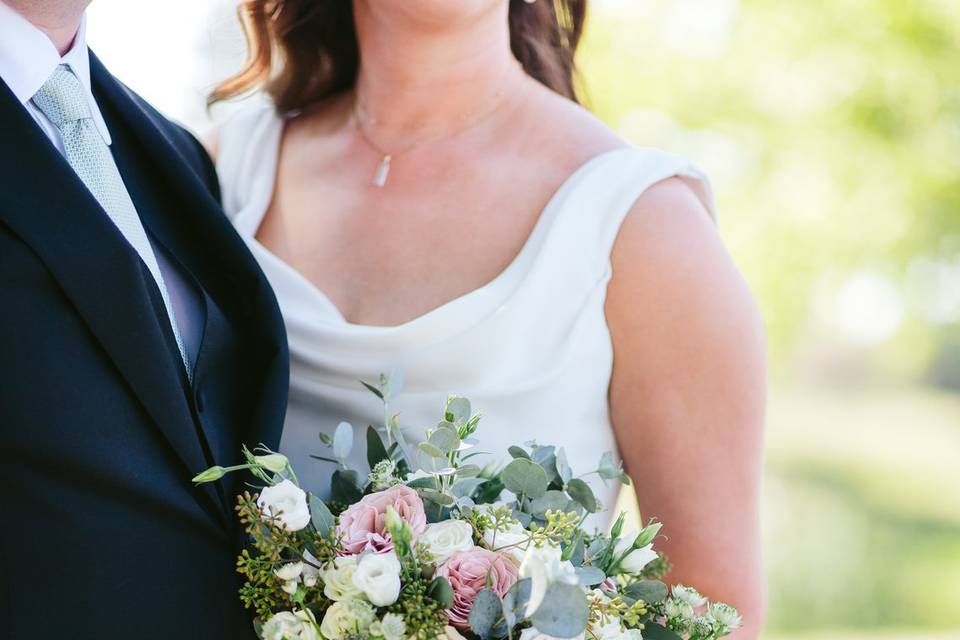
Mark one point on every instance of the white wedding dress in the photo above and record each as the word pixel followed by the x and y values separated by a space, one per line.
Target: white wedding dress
pixel 531 349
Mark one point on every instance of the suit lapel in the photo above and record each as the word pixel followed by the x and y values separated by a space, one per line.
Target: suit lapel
pixel 203 239
pixel 50 209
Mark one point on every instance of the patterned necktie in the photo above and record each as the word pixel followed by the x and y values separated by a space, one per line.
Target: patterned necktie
pixel 61 99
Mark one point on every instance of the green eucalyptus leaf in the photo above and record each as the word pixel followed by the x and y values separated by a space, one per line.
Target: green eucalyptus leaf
pixel 552 500
pixel 485 613
pixel 458 410
pixel 372 389
pixel 590 576
pixel 525 477
pixel 563 467
pixel 564 612
pixel 515 602
pixel 445 439
pixel 650 591
pixel 465 487
pixel 442 499
pixel 517 452
pixel 468 471
pixel 654 631
pixel 582 493
pixel 344 487
pixel 343 440
pixel 320 516
pixel 375 449
pixel 441 591
pixel 423 483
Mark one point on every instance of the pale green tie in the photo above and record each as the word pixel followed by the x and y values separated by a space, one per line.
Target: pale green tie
pixel 61 99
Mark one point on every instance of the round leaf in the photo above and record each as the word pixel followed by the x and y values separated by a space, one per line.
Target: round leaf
pixel 445 439
pixel 564 612
pixel 485 613
pixel 582 493
pixel 524 477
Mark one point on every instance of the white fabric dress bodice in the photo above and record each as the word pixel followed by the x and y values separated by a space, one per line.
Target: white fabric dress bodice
pixel 531 349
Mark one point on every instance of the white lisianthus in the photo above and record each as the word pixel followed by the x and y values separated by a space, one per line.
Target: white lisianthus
pixel 632 634
pixel 378 576
pixel 544 566
pixel 610 630
pixel 290 574
pixel 298 625
pixel 512 541
pixel 532 633
pixel 726 615
pixel 391 627
pixel 311 570
pixel 636 560
pixel 338 579
pixel 290 571
pixel 445 538
pixel 347 618
pixel 688 595
pixel 288 503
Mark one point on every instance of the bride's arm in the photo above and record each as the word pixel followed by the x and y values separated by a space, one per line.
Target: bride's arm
pixel 687 395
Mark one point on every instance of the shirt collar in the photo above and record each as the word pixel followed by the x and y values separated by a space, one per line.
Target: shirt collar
pixel 28 58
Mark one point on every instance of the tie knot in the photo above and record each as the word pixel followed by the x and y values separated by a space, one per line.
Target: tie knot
pixel 61 98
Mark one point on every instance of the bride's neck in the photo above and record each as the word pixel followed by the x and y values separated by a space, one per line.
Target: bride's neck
pixel 416 77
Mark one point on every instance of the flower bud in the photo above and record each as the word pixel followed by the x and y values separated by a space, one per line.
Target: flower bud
pixel 273 462
pixel 210 475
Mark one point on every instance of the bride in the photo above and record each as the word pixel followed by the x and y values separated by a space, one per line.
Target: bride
pixel 426 195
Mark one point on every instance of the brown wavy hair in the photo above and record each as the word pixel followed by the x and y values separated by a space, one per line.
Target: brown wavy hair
pixel 303 51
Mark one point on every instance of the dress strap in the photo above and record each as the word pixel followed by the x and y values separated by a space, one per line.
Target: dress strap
pixel 246 162
pixel 598 198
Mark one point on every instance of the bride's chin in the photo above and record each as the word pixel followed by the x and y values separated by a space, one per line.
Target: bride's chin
pixel 433 13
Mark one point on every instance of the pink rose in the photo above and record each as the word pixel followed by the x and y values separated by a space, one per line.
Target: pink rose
pixel 467 573
pixel 363 528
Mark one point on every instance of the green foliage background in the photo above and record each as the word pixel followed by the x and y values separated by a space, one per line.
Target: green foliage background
pixel 832 133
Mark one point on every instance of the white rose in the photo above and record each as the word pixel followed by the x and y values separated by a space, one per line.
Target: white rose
pixel 288 503
pixel 338 579
pixel 285 625
pixel 445 538
pixel 347 618
pixel 544 567
pixel 637 559
pixel 378 576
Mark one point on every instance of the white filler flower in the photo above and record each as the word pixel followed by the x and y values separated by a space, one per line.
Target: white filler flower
pixel 290 626
pixel 288 503
pixel 688 595
pixel 445 538
pixel 378 576
pixel 726 615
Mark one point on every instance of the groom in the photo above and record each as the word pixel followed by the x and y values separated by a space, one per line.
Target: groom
pixel 139 345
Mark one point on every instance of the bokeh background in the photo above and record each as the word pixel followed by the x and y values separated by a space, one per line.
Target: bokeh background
pixel 832 132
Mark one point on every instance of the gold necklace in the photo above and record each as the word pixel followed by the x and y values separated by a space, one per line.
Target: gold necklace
pixel 382 173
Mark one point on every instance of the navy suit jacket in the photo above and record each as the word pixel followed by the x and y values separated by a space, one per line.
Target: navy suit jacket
pixel 102 533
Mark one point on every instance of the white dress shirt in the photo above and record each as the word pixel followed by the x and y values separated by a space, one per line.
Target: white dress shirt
pixel 27 59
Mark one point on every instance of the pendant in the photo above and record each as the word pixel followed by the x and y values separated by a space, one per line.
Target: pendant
pixel 383 171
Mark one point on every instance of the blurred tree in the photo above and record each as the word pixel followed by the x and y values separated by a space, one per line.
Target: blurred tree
pixel 831 129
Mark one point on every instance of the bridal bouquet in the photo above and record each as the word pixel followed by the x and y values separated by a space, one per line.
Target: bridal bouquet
pixel 429 545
